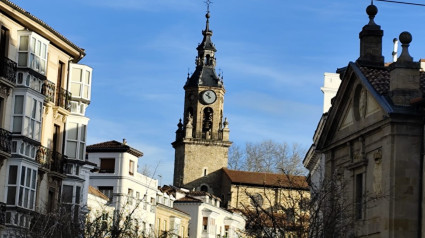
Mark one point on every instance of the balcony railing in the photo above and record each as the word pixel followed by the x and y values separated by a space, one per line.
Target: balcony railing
pixel 2 213
pixel 8 69
pixel 5 140
pixel 48 90
pixel 50 159
pixel 63 99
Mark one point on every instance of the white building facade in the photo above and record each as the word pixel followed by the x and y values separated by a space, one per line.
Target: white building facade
pixel 208 219
pixel 119 180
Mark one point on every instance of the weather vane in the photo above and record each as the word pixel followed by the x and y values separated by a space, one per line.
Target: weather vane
pixel 208 2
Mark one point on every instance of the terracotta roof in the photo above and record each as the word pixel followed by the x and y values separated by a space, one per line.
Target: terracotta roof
pixel 95 192
pixel 187 199
pixel 49 28
pixel 113 146
pixel 379 78
pixel 266 179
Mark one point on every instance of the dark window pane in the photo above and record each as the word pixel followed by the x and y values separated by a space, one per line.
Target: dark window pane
pixel 11 195
pixel 13 174
pixel 107 166
pixel 67 194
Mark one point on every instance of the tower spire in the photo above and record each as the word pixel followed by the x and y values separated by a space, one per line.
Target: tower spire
pixel 205 74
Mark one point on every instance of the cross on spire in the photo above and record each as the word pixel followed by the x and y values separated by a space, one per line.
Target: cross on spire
pixel 208 2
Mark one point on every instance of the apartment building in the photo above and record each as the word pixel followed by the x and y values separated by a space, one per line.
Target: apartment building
pixel 44 93
pixel 128 190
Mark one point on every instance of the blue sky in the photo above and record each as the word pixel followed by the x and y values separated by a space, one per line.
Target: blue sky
pixel 273 54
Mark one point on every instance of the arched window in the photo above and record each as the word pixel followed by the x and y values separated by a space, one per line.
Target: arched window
pixel 207 120
pixel 207 60
pixel 204 188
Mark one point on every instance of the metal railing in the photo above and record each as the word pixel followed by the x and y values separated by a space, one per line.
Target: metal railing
pixel 48 90
pixel 63 99
pixel 5 140
pixel 2 213
pixel 50 159
pixel 8 69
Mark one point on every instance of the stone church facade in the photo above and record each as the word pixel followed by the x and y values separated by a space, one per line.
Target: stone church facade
pixel 372 139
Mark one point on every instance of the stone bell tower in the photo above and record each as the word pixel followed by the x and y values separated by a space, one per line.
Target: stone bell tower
pixel 202 139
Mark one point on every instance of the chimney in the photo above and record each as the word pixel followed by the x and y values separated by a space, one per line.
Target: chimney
pixel 404 75
pixel 395 48
pixel 124 141
pixel 371 41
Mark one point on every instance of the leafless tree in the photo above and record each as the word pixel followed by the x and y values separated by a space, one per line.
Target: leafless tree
pixel 267 156
pixel 324 211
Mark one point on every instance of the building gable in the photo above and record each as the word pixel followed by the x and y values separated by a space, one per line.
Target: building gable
pixel 356 105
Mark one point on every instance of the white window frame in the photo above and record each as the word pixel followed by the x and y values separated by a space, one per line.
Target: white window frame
pixel 26 187
pixel 80 83
pixel 30 117
pixel 36 52
pixel 80 141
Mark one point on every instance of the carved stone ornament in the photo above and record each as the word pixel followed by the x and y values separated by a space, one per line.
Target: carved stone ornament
pixel 4 90
pixel 377 156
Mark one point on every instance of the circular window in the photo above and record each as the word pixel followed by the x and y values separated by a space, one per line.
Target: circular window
pixel 257 200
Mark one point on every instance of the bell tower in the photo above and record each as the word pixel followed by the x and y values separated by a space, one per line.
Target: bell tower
pixel 202 139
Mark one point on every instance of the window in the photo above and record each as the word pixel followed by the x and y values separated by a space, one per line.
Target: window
pixel 71 199
pixel 359 196
pixel 21 187
pixel 28 121
pixel 4 41
pixel 76 140
pixel 18 111
pixel 108 191
pixel 138 196
pixel 204 188
pixel 290 214
pixel 80 81
pixel 107 166
pixel 67 191
pixel 131 167
pixel 256 200
pixel 33 118
pixel 205 223
pixel 32 51
pixel 130 196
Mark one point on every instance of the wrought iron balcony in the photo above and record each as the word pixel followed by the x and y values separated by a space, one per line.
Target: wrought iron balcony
pixel 2 214
pixel 5 140
pixel 63 99
pixel 48 90
pixel 50 159
pixel 8 69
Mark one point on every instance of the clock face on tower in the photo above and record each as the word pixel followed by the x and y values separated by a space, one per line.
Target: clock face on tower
pixel 208 97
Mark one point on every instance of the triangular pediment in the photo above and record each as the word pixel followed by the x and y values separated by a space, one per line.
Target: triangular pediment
pixel 356 106
pixel 348 118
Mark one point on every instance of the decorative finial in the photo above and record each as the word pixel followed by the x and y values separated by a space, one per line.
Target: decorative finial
pixel 372 10
pixel 226 123
pixel 405 39
pixel 180 125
